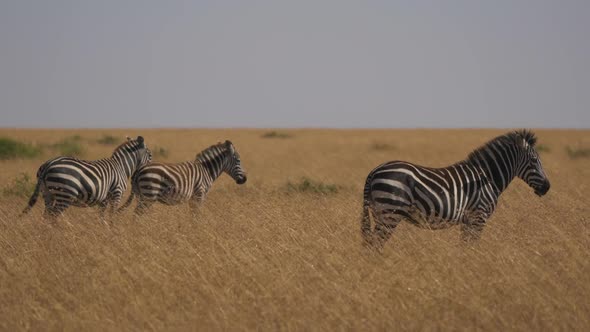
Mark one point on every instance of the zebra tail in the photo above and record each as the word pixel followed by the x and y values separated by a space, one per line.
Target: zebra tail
pixel 33 198
pixel 134 188
pixel 41 172
pixel 366 214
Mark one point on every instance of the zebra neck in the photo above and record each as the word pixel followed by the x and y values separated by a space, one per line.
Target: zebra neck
pixel 126 161
pixel 496 167
pixel 214 167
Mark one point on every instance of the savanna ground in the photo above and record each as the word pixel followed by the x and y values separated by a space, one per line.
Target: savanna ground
pixel 271 256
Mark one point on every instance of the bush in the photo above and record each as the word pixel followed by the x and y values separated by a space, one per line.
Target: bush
pixel 542 148
pixel 108 140
pixel 382 147
pixel 275 134
pixel 575 153
pixel 22 186
pixel 160 152
pixel 70 146
pixel 306 185
pixel 12 149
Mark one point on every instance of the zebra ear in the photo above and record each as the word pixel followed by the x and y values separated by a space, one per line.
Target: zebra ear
pixel 140 139
pixel 128 138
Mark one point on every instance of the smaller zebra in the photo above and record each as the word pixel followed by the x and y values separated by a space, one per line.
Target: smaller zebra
pixel 173 184
pixel 66 181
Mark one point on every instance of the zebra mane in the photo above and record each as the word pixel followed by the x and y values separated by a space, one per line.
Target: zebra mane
pixel 212 152
pixel 135 144
pixel 527 135
pixel 515 137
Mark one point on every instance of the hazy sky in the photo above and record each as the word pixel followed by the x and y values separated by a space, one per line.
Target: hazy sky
pixel 294 64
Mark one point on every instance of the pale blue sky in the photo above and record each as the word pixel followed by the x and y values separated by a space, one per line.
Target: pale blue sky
pixel 295 63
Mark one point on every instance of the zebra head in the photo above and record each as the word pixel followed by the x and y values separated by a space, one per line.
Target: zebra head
pixel 233 165
pixel 144 154
pixel 133 154
pixel 531 170
pixel 222 157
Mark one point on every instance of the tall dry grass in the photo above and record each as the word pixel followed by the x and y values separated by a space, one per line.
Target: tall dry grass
pixel 262 257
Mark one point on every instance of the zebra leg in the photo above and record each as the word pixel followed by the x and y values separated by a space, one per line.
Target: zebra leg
pixel 54 210
pixel 366 232
pixel 102 211
pixel 50 214
pixel 142 206
pixel 194 207
pixel 384 226
pixel 102 208
pixel 114 202
pixel 471 229
pixel 196 202
pixel 53 207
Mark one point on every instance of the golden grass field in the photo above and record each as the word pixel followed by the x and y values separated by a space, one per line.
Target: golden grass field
pixel 262 258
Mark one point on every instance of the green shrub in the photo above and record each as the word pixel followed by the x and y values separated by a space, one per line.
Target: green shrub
pixel 575 153
pixel 382 147
pixel 542 148
pixel 306 185
pixel 70 146
pixel 160 152
pixel 12 149
pixel 22 186
pixel 275 134
pixel 108 140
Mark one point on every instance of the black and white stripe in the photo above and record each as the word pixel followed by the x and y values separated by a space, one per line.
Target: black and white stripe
pixel 465 193
pixel 190 181
pixel 66 181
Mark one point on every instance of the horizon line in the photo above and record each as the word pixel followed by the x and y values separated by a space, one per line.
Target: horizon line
pixel 292 128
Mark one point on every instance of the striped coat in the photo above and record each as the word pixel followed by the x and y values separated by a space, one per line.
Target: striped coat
pixel 465 193
pixel 188 181
pixel 66 181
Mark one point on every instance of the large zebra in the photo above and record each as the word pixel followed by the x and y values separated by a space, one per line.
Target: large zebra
pixel 465 193
pixel 190 181
pixel 66 181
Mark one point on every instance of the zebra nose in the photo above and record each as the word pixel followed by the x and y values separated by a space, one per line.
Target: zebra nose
pixel 543 189
pixel 241 180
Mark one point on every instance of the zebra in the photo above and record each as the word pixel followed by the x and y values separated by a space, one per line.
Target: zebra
pixel 172 184
pixel 66 181
pixel 464 193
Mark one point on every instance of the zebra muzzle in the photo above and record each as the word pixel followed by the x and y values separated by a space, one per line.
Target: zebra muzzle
pixel 543 189
pixel 241 180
